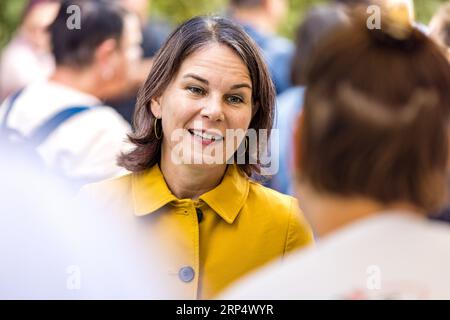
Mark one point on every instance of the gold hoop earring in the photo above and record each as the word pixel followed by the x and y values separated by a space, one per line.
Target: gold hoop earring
pixel 245 150
pixel 155 123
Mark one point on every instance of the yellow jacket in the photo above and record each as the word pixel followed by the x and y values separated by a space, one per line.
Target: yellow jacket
pixel 243 226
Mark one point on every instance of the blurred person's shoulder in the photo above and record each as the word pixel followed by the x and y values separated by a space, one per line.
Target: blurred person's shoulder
pixel 289 105
pixel 280 45
pixel 53 97
pixel 98 127
pixel 291 96
pixel 270 43
pixel 40 99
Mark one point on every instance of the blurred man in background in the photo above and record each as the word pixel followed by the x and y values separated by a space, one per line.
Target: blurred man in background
pixel 92 63
pixel 154 33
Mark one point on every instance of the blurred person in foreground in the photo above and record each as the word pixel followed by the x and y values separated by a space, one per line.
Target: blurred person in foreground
pixel 261 19
pixel 440 32
pixel 93 63
pixel 27 57
pixel 55 248
pixel 372 160
pixel 190 185
pixel 317 23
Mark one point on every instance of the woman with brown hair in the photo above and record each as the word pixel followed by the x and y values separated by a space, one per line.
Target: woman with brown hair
pixel 372 161
pixel 186 189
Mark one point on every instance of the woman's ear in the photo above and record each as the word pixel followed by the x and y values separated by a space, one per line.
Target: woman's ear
pixel 155 106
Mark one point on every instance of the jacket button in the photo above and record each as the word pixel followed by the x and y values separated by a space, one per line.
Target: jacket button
pixel 186 274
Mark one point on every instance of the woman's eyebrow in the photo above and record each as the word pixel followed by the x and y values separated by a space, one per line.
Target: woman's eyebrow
pixel 191 75
pixel 241 85
pixel 198 78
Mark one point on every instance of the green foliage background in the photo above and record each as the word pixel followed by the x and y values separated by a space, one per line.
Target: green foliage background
pixel 176 11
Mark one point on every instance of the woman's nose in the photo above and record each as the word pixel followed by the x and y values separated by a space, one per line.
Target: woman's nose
pixel 213 110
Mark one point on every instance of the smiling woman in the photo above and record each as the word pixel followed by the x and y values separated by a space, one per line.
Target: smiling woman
pixel 210 94
pixel 207 79
pixel 206 63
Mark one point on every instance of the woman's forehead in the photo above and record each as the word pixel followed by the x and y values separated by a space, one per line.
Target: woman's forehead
pixel 216 60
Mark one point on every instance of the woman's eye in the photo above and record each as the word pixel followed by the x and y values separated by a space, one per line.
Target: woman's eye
pixel 196 90
pixel 235 99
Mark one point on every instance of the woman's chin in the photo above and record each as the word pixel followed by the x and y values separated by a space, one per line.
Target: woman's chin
pixel 202 159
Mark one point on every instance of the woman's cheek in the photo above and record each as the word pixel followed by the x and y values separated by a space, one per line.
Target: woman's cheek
pixel 240 120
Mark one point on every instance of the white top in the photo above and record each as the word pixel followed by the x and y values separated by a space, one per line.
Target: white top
pixel 390 256
pixel 85 146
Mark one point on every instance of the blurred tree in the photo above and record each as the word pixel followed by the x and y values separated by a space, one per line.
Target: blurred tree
pixel 10 13
pixel 426 8
pixel 177 11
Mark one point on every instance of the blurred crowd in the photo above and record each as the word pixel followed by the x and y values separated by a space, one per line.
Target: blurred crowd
pixel 68 95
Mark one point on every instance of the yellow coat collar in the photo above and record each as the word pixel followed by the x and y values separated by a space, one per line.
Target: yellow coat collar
pixel 150 193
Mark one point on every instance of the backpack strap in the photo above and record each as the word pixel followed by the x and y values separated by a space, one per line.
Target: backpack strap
pixel 41 133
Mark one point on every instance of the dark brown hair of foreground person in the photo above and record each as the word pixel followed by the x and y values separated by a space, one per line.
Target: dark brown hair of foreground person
pixel 375 120
pixel 184 41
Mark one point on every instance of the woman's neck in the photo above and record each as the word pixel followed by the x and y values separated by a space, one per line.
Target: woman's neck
pixel 190 181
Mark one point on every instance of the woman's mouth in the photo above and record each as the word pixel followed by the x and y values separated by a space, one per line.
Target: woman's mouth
pixel 206 138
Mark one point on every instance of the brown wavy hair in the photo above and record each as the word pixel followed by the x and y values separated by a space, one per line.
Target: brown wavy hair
pixel 376 117
pixel 188 38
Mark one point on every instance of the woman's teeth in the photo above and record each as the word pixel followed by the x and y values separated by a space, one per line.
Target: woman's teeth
pixel 205 136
